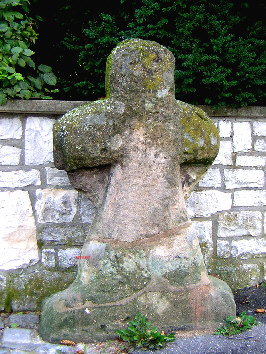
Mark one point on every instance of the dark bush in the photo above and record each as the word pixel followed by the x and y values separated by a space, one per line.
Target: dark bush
pixel 19 75
pixel 218 45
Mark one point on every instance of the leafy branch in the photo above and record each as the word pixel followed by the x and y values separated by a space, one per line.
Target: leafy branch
pixel 19 77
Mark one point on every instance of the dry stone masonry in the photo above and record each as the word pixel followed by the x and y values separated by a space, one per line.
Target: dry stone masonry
pixel 229 222
pixel 142 148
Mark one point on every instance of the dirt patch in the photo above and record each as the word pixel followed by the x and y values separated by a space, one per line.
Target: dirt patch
pixel 250 299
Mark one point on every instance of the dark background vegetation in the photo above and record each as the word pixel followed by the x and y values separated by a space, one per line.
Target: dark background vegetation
pixel 219 45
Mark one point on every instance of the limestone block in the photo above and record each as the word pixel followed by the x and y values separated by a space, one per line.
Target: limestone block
pixel 223 249
pixel 225 129
pixel 34 285
pixel 3 280
pixel 252 272
pixel 250 160
pixel 55 205
pixel 259 128
pixel 21 335
pixel 63 234
pixel 225 154
pixel 9 155
pixel 25 320
pixel 86 209
pixel 56 177
pixel 242 139
pixel 206 203
pixel 239 223
pixel 68 257
pixel 14 179
pixel 211 179
pixel 260 145
pixel 38 141
pixel 10 128
pixel 48 257
pixel 239 178
pixel 250 198
pixel 248 248
pixel 203 231
pixel 18 244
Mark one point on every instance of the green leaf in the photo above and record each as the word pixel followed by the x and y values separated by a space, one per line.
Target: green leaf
pixel 45 68
pixel 30 62
pixel 21 62
pixel 16 50
pixel 25 94
pixel 7 47
pixel 3 98
pixel 18 76
pixel 15 57
pixel 14 325
pixel 49 78
pixel 24 85
pixel 37 82
pixel 3 27
pixel 9 69
pixel 28 52
pixel 23 45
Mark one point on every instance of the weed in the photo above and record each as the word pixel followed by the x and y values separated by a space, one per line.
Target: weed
pixel 140 335
pixel 14 325
pixel 236 324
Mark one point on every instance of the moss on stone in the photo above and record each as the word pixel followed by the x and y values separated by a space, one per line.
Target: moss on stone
pixel 40 244
pixel 234 272
pixel 200 136
pixel 36 286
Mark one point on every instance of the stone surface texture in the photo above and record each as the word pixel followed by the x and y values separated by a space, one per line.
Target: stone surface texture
pixel 139 254
pixel 24 288
pixel 18 243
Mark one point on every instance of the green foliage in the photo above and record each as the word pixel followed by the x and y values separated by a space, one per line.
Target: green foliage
pixel 219 46
pixel 236 324
pixel 19 77
pixel 140 335
pixel 14 325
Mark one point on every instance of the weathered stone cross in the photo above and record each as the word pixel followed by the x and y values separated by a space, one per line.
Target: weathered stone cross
pixel 135 155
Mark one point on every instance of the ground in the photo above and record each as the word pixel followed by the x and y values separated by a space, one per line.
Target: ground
pixel 248 300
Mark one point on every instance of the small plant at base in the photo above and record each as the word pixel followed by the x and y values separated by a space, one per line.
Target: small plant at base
pixel 236 324
pixel 140 335
pixel 14 325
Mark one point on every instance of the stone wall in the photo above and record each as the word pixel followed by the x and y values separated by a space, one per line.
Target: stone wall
pixel 44 221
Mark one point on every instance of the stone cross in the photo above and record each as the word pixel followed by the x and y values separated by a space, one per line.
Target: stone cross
pixel 136 154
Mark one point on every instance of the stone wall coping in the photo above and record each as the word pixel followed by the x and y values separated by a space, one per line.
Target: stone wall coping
pixel 57 107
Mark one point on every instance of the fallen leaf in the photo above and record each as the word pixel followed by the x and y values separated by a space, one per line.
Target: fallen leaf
pixel 67 342
pixel 260 310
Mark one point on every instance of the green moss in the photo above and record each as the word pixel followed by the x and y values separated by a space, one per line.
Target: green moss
pixel 148 59
pixel 201 137
pixel 11 295
pixel 107 75
pixel 40 244
pixel 234 272
pixel 34 287
pixel 153 83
